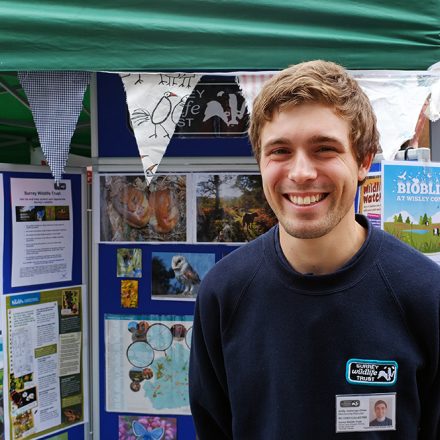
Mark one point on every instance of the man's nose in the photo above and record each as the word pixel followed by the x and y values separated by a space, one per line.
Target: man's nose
pixel 302 168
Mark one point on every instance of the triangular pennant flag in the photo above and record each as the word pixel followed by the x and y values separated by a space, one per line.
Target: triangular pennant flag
pixel 56 100
pixel 250 85
pixel 434 106
pixel 397 99
pixel 397 102
pixel 155 103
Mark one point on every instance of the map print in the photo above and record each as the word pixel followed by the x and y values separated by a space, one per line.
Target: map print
pixel 147 358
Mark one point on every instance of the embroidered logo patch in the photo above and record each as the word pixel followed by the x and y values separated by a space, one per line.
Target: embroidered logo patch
pixel 371 372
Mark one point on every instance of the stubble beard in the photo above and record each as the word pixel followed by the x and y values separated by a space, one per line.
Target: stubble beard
pixel 307 229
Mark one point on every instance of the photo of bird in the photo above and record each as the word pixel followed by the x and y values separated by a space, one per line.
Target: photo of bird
pixel 159 115
pixel 185 275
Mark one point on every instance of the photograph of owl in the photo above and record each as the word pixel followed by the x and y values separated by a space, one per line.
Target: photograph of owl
pixel 185 274
pixel 176 275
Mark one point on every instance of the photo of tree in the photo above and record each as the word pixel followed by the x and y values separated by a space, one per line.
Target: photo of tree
pixel 231 208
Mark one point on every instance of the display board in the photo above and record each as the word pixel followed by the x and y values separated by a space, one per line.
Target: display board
pixel 154 244
pixel 44 304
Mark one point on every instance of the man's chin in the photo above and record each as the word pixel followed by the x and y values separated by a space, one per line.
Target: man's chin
pixel 308 232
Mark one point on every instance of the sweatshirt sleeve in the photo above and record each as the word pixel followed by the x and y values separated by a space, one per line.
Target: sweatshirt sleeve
pixel 208 390
pixel 430 422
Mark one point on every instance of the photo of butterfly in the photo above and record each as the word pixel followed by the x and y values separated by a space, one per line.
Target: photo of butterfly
pixel 147 427
pixel 142 434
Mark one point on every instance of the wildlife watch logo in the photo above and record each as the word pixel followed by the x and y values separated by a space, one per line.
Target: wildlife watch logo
pixel 371 372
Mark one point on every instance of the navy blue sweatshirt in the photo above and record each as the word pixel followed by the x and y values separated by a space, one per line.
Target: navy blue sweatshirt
pixel 272 348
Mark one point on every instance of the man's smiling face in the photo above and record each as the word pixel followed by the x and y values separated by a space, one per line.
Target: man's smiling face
pixel 310 174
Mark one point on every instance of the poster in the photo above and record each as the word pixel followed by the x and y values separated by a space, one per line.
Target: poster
pixel 370 199
pixel 132 210
pixel 231 208
pixel 44 349
pixel 42 231
pixel 147 359
pixel 411 204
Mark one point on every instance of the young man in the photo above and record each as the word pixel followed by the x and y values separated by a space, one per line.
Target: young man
pixel 295 330
pixel 380 410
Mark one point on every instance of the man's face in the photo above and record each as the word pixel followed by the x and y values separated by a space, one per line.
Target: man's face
pixel 380 411
pixel 309 172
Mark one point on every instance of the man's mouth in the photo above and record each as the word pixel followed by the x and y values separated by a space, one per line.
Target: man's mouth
pixel 306 200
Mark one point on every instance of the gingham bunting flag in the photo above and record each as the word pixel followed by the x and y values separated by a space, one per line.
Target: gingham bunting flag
pixel 250 85
pixel 155 103
pixel 55 99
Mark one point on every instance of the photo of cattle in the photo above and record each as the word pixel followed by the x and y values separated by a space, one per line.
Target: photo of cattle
pixel 231 208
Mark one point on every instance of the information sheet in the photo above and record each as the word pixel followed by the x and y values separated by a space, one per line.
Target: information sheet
pixel 147 358
pixel 42 228
pixel 44 346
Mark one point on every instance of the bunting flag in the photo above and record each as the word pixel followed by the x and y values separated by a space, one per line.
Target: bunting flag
pixel 251 84
pixel 433 112
pixel 155 103
pixel 55 99
pixel 398 98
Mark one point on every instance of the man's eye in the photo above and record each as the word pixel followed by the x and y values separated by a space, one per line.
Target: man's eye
pixel 325 148
pixel 280 151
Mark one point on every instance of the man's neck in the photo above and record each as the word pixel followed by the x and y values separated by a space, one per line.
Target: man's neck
pixel 324 255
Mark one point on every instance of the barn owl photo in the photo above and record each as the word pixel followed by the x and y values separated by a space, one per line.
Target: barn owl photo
pixel 185 275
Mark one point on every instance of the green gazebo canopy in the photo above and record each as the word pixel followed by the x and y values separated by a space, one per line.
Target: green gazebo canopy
pixel 198 35
pixel 217 34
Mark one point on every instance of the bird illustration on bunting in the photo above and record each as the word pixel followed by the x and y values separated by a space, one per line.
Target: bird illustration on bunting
pixel 155 104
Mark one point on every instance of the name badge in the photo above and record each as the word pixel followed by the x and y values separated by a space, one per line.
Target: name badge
pixel 366 412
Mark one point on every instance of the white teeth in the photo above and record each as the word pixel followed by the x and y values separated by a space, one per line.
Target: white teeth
pixel 298 200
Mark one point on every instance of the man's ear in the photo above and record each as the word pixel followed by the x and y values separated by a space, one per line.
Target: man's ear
pixel 364 167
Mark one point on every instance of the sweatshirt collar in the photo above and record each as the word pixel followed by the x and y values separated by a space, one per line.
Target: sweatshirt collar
pixel 348 275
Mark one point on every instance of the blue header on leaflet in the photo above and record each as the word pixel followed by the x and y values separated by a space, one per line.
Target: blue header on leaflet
pixel 25 300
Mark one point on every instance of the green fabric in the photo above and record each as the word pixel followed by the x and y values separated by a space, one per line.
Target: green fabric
pixel 215 35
